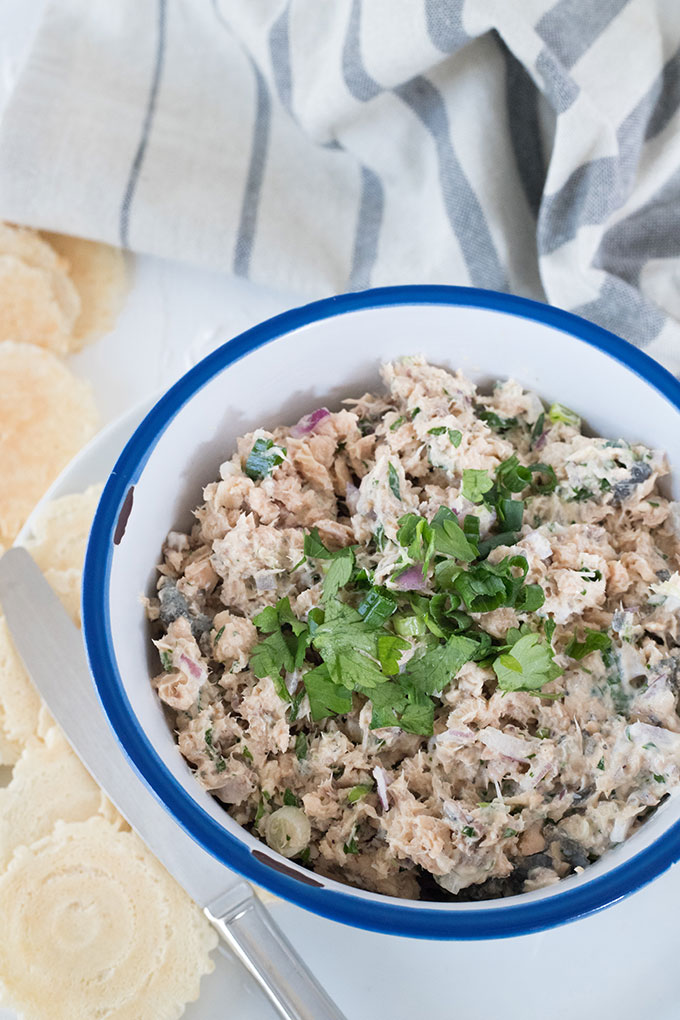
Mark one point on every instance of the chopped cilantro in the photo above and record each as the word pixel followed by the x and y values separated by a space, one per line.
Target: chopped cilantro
pixel 285 646
pixel 468 831
pixel 220 765
pixel 450 539
pixel 301 747
pixel 393 479
pixel 357 792
pixel 166 660
pixel 390 647
pixel 595 640
pixel 341 563
pixel 246 753
pixel 379 538
pixel 289 798
pixel 325 696
pixel 549 627
pixel 431 671
pixel 658 778
pixel 527 667
pixel 475 484
pixel 495 422
pixel 580 495
pixel 600 764
pixel 263 458
pixel 351 847
pixel 509 833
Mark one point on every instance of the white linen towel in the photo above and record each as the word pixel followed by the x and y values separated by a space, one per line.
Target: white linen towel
pixel 522 145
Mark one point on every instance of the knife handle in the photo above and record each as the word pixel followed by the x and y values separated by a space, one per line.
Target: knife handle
pixel 249 931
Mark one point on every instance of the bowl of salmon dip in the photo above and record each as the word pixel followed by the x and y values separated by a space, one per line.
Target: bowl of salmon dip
pixel 407 648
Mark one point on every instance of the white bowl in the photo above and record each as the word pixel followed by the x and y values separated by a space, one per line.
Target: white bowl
pixel 275 373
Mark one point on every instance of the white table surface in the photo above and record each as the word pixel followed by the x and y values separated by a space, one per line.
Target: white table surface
pixel 621 963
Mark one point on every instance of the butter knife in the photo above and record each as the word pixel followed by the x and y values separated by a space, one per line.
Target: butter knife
pixel 58 668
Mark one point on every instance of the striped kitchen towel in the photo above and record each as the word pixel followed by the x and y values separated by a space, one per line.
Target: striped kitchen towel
pixel 522 145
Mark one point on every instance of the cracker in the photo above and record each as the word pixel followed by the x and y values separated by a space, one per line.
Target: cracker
pixel 48 784
pixel 30 309
pixel 29 246
pixel 67 585
pixel 100 275
pixel 94 926
pixel 46 415
pixel 19 701
pixel 60 530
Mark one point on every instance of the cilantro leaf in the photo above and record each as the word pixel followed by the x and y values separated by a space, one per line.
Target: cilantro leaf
pixel 495 422
pixel 263 458
pixel 418 716
pixel 595 641
pixel 285 646
pixel 431 671
pixel 325 696
pixel 527 667
pixel 338 573
pixel 475 484
pixel 390 647
pixel 314 547
pixel 450 539
pixel 348 647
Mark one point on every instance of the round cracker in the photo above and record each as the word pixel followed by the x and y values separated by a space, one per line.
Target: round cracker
pixel 94 926
pixel 100 275
pixel 48 784
pixel 30 310
pixel 46 415
pixel 61 529
pixel 32 249
pixel 66 585
pixel 19 700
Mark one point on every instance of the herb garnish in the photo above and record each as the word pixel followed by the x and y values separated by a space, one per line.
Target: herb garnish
pixel 263 458
pixel 595 640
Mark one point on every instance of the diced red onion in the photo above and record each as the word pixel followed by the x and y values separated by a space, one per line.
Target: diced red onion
pixel 461 733
pixel 540 772
pixel 412 579
pixel 309 422
pixel 541 441
pixel 380 777
pixel 504 743
pixel 194 668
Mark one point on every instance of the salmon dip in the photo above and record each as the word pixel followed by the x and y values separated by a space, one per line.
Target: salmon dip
pixel 427 645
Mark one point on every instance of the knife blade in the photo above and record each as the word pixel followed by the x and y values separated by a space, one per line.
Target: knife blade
pixel 58 667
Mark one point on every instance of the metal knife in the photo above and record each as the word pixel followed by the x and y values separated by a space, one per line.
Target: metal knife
pixel 58 667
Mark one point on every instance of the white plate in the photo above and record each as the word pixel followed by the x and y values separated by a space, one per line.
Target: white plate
pixel 620 963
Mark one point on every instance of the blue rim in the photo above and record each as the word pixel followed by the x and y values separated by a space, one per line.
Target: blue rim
pixel 388 916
